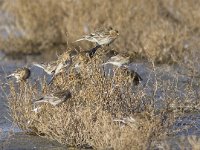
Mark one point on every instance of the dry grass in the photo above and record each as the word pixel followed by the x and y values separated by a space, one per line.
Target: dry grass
pixel 97 100
pixel 163 31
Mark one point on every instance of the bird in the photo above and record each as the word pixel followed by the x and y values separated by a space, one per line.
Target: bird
pixel 118 60
pixel 54 67
pixel 55 98
pixel 64 61
pixel 21 74
pixel 101 36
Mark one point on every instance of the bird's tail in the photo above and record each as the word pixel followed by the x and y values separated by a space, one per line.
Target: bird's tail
pixel 39 100
pixel 104 63
pixel 38 65
pixel 79 40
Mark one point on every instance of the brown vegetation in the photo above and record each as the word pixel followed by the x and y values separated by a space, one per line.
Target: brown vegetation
pixel 108 112
pixel 164 31
pixel 92 116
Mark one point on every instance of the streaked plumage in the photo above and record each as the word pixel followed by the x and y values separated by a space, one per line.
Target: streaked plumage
pixel 55 67
pixel 55 98
pixel 20 74
pixel 63 61
pixel 101 37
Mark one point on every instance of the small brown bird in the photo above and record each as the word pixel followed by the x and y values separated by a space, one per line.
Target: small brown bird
pixel 55 98
pixel 101 36
pixel 54 67
pixel 63 62
pixel 21 74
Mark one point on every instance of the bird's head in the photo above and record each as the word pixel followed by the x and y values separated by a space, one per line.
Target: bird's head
pixel 114 33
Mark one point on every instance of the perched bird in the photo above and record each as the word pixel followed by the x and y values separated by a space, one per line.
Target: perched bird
pixel 101 37
pixel 118 60
pixel 54 67
pixel 55 98
pixel 64 61
pixel 20 74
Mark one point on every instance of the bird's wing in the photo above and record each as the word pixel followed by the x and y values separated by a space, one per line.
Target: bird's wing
pixel 81 39
pixel 46 99
pixel 114 58
pixel 102 32
pixel 99 34
pixel 58 68
pixel 19 70
pixel 38 65
pixel 42 100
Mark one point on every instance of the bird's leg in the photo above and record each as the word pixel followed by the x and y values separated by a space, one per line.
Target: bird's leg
pixel 51 80
pixel 93 51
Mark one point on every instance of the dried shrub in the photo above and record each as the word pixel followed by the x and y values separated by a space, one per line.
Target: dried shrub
pixel 98 100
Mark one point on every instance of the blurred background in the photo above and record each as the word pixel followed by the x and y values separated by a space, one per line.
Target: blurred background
pixel 166 31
